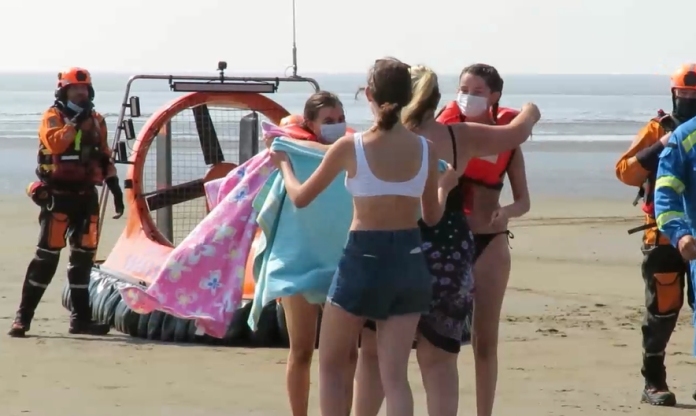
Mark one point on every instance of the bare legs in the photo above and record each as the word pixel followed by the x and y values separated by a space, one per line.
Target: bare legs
pixel 301 318
pixel 340 331
pixel 491 274
pixel 338 340
pixel 369 394
pixel 394 343
pixel 440 378
pixel 438 370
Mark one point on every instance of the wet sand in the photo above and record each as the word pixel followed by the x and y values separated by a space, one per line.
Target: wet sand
pixel 570 337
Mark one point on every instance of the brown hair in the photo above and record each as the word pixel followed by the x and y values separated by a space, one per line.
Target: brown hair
pixel 317 101
pixel 426 96
pixel 492 78
pixel 389 83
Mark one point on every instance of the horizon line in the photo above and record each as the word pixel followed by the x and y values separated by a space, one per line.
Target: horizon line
pixel 308 73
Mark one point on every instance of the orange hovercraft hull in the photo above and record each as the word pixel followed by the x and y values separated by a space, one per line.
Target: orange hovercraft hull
pixel 141 249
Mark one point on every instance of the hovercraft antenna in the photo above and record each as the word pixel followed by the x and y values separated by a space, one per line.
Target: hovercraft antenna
pixel 294 42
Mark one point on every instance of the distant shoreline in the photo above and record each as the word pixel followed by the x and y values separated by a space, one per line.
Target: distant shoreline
pixel 588 146
pixel 308 73
pixel 532 145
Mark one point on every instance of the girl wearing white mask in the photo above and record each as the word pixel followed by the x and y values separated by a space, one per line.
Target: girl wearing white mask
pixel 480 88
pixel 322 123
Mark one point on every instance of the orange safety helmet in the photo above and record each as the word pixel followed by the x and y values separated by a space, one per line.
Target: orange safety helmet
pixel 684 77
pixel 74 76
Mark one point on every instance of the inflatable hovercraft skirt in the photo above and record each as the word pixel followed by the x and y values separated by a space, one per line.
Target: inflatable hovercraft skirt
pixel 199 136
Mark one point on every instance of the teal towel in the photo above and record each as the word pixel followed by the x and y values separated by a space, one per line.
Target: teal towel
pixel 299 249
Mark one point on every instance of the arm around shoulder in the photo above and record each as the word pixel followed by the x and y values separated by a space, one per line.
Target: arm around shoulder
pixel 480 140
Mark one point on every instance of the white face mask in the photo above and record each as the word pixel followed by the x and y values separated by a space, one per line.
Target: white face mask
pixel 472 105
pixel 332 132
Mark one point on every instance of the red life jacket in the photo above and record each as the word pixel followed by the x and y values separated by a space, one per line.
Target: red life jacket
pixel 487 171
pixel 293 129
pixel 296 131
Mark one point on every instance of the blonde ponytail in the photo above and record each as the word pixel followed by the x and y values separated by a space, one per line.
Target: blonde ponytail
pixel 426 96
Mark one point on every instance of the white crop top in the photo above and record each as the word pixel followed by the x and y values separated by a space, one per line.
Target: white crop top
pixel 365 183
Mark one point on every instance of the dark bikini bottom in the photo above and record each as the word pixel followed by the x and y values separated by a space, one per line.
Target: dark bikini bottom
pixel 481 241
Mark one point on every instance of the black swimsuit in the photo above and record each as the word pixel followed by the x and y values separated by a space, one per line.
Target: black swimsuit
pixel 449 251
pixel 482 240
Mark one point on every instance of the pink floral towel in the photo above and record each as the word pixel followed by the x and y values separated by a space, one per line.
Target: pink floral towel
pixel 203 277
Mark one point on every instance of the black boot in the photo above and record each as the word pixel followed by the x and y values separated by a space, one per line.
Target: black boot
pixel 88 327
pixel 79 271
pixel 31 296
pixel 39 275
pixel 19 328
pixel 658 395
pixel 656 391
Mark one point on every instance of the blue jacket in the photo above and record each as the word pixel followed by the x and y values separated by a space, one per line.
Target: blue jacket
pixel 675 187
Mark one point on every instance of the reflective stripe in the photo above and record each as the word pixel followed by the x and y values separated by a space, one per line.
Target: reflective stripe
pixel 78 286
pixel 37 284
pixel 56 252
pixel 668 216
pixel 84 250
pixel 671 182
pixel 689 142
pixel 78 140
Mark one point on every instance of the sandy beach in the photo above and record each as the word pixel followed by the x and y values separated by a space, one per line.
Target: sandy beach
pixel 570 338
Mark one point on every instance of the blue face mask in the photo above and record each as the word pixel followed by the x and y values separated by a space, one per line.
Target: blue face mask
pixel 74 107
pixel 332 132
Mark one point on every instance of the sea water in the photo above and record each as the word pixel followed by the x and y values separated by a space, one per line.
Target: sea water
pixel 587 121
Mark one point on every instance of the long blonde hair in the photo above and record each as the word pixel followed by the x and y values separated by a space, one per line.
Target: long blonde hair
pixel 426 96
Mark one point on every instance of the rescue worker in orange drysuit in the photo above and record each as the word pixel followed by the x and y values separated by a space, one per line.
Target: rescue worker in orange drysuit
pixel 73 159
pixel 663 268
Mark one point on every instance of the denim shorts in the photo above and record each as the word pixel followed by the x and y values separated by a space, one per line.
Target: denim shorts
pixel 382 274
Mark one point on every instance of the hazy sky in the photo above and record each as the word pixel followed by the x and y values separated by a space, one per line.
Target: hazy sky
pixel 517 36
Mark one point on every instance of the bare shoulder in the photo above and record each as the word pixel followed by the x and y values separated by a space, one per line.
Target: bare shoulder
pixel 343 153
pixel 432 150
pixel 429 142
pixel 344 144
